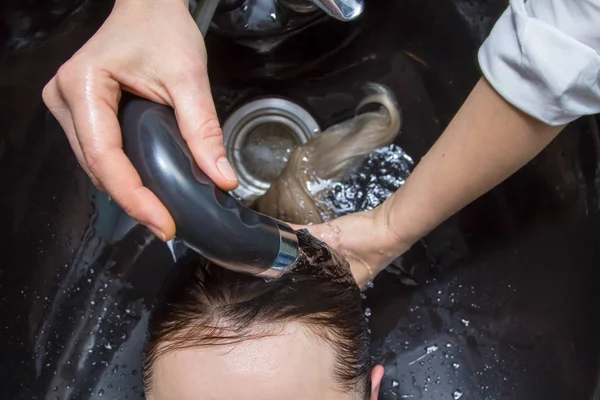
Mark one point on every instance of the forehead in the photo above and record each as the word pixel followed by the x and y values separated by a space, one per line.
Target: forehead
pixel 291 365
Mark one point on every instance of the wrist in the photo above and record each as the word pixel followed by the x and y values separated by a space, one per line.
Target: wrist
pixel 402 225
pixel 148 3
pixel 395 235
pixel 373 246
pixel 375 250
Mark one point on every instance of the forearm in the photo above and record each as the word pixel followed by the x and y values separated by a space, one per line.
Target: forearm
pixel 486 142
pixel 543 57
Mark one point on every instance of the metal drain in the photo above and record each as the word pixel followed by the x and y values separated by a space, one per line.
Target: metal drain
pixel 260 136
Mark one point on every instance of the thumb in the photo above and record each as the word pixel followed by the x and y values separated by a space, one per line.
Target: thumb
pixel 197 119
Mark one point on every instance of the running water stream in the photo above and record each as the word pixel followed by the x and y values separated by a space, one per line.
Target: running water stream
pixel 381 174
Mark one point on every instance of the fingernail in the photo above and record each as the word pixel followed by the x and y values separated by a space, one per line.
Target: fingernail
pixel 157 232
pixel 226 169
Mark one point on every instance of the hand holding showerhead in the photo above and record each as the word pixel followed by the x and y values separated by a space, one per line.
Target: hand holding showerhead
pixel 207 219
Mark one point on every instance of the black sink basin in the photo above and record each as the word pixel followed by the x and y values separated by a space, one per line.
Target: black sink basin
pixel 505 307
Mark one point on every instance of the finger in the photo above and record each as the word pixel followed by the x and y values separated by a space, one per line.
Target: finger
pixel 59 108
pixel 297 227
pixel 124 185
pixel 197 119
pixel 327 232
pixel 95 120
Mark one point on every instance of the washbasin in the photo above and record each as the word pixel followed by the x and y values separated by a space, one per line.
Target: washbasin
pixel 497 303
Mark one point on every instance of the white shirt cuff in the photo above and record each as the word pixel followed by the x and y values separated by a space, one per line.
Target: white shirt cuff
pixel 540 69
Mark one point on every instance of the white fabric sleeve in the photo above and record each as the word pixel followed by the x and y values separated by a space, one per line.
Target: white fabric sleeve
pixel 542 56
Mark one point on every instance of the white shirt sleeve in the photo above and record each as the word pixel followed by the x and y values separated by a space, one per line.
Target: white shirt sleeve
pixel 543 57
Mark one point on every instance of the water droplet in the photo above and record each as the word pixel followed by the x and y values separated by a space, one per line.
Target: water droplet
pixel 395 383
pixel 465 322
pixel 456 365
pixel 367 312
pixel 432 348
pixel 100 392
pixel 457 394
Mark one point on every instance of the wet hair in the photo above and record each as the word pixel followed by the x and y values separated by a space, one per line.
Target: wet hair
pixel 203 304
pixel 297 195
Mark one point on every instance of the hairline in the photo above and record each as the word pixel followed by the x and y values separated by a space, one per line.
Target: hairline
pixel 182 342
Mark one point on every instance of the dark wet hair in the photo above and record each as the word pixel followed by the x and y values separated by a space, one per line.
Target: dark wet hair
pixel 205 305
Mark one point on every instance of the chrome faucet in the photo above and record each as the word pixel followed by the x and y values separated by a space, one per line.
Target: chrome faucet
pixel 343 10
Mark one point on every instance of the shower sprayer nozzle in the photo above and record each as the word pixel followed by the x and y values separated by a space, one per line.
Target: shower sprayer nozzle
pixel 207 219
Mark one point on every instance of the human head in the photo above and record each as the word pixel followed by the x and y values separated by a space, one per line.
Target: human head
pixel 218 334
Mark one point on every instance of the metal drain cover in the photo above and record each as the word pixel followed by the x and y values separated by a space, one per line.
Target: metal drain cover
pixel 260 136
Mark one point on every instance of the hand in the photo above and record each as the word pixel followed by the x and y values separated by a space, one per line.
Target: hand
pixel 487 141
pixel 364 239
pixel 153 49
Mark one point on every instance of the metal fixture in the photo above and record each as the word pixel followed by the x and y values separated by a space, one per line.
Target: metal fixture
pixel 258 138
pixel 343 10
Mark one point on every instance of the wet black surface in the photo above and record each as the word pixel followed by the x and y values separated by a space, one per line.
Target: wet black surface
pixel 507 306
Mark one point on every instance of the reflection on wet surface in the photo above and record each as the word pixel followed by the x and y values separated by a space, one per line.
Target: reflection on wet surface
pixel 506 306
